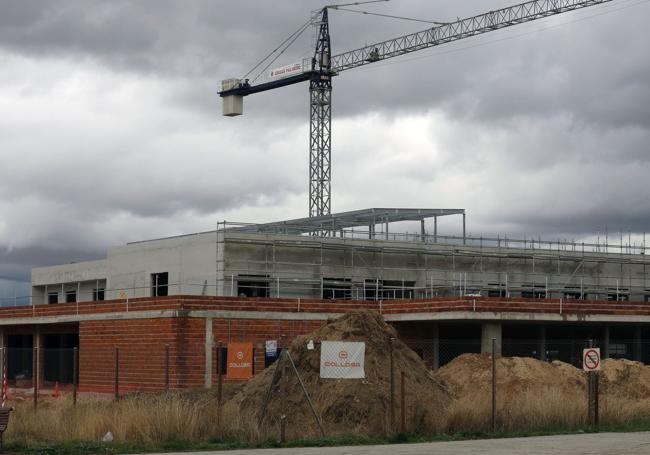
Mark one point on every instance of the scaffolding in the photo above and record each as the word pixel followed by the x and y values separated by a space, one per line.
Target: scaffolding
pixel 277 260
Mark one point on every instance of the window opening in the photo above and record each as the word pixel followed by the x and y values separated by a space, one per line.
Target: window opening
pixel 159 283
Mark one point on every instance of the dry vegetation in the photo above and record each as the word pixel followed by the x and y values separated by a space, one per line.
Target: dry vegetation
pixel 531 396
pixel 144 418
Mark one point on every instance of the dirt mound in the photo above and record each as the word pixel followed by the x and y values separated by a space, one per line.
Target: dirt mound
pixel 471 375
pixel 358 406
pixel 625 379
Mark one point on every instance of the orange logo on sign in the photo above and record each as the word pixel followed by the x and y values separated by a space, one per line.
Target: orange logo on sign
pixel 240 361
pixel 343 355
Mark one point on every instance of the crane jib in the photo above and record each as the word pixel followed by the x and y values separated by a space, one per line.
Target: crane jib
pixel 453 31
pixel 245 89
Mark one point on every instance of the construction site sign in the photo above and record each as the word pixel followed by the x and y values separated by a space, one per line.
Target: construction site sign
pixel 342 360
pixel 591 359
pixel 240 361
pixel 286 71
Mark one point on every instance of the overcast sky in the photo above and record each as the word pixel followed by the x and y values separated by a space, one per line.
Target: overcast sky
pixel 111 126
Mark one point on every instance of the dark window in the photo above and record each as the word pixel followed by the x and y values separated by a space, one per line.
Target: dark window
pixel 497 293
pixel 646 298
pixel 389 290
pixel 534 294
pixel 392 290
pixel 621 295
pixel 98 294
pixel 370 289
pixel 617 350
pixel 497 290
pixel 53 297
pixel 159 283
pixel 337 288
pixel 70 296
pixel 572 295
pixel 253 286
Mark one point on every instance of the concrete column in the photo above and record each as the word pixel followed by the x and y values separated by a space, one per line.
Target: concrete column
pixel 435 355
pixel 604 351
pixel 636 349
pixel 209 342
pixel 464 231
pixel 435 229
pixel 422 236
pixel 542 343
pixel 491 330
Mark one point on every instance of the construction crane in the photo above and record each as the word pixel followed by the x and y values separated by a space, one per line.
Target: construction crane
pixel 320 69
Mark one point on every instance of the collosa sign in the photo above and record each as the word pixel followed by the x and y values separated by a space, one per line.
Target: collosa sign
pixel 342 360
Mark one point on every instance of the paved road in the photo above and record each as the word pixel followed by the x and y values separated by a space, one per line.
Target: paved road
pixel 584 444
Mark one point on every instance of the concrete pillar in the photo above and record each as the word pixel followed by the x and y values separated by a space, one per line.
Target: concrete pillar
pixel 422 233
pixel 604 351
pixel 489 331
pixel 636 349
pixel 209 342
pixel 435 355
pixel 435 229
pixel 464 230
pixel 542 343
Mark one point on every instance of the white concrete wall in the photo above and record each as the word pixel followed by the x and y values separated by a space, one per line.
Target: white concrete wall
pixel 190 261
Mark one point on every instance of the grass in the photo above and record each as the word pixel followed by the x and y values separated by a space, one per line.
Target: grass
pixel 191 421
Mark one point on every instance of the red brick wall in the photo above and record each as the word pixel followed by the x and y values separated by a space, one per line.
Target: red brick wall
pixel 141 344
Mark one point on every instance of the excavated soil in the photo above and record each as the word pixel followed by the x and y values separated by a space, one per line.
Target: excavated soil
pixel 471 374
pixel 345 406
pixel 625 380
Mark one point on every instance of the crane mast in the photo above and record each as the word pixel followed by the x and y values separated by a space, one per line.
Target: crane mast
pixel 320 124
pixel 324 66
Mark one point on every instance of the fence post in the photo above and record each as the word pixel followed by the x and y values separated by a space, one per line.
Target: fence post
pixel 392 387
pixel 596 400
pixel 494 386
pixel 75 369
pixel 3 373
pixel 166 366
pixel 35 374
pixel 117 374
pixel 219 384
pixel 403 404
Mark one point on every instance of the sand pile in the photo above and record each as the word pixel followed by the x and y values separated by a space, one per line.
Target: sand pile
pixel 358 406
pixel 625 379
pixel 471 375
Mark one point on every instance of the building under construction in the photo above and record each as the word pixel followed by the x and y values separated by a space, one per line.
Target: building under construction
pixel 354 255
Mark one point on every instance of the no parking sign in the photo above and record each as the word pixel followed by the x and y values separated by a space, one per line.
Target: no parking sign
pixel 591 359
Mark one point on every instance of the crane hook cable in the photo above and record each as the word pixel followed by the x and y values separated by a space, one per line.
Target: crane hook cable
pixel 389 16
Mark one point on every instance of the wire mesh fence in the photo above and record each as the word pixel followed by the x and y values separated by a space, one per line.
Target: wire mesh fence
pixel 134 368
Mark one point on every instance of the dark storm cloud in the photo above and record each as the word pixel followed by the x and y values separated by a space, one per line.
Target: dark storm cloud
pixel 529 70
pixel 544 127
